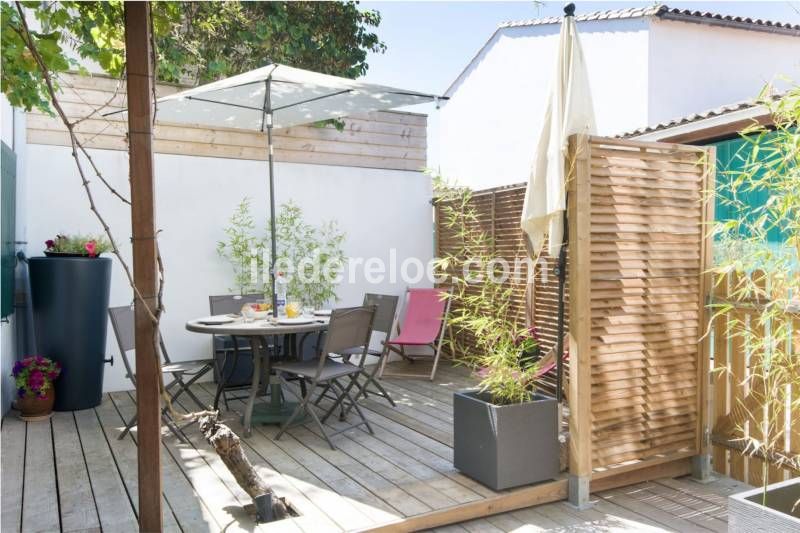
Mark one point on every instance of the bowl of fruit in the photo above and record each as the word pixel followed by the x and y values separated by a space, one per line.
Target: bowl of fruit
pixel 258 310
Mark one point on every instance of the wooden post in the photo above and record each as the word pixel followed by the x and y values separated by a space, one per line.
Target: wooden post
pixel 580 386
pixel 701 463
pixel 145 269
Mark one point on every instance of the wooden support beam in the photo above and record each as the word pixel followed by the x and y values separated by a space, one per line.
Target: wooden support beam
pixel 145 269
pixel 580 386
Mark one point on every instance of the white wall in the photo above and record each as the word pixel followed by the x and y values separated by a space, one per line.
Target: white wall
pixel 489 128
pixel 695 67
pixel 195 197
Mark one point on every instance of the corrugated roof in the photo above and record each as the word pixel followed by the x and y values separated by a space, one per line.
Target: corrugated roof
pixel 665 12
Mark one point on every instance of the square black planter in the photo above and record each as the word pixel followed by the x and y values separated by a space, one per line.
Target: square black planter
pixel 505 446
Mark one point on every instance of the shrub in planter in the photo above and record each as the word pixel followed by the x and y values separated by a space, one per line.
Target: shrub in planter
pixel 34 377
pixel 505 433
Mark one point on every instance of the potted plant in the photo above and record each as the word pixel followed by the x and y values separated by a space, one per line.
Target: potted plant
pixel 70 289
pixel 76 246
pixel 34 377
pixel 762 313
pixel 505 432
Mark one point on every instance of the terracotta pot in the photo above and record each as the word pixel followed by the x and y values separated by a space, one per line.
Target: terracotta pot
pixel 33 407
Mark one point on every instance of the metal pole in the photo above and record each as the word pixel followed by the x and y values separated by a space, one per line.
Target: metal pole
pixel 561 271
pixel 270 155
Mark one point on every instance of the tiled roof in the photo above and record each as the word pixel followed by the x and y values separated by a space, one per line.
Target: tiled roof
pixel 695 117
pixel 668 13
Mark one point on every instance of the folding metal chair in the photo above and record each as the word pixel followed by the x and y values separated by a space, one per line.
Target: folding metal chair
pixel 229 357
pixel 123 324
pixel 424 324
pixel 385 309
pixel 348 328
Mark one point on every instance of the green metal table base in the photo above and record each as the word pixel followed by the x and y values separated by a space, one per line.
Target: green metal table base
pixel 276 411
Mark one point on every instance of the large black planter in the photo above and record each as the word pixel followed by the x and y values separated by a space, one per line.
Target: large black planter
pixel 505 446
pixel 70 310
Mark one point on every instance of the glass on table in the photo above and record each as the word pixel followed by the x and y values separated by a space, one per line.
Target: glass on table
pixel 308 309
pixel 249 311
pixel 293 309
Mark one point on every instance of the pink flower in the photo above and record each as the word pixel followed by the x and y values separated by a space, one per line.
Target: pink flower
pixel 91 246
pixel 36 380
pixel 49 243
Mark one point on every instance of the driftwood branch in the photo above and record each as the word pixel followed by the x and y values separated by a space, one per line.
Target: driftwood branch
pixel 229 449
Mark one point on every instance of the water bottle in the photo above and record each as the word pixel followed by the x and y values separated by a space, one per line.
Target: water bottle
pixel 281 284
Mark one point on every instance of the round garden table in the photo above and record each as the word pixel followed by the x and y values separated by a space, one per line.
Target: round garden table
pixel 277 410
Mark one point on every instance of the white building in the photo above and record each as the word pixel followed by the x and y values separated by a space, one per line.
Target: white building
pixel 646 65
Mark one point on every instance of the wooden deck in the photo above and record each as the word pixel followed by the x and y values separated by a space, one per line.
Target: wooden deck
pixel 72 474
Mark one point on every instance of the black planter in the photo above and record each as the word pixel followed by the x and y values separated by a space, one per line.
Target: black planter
pixel 505 446
pixel 70 311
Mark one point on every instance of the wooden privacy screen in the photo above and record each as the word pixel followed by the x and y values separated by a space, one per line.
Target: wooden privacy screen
pixel 384 139
pixel 638 253
pixel 738 391
pixel 498 213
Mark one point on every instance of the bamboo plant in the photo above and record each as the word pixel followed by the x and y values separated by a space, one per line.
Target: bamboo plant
pixel 765 282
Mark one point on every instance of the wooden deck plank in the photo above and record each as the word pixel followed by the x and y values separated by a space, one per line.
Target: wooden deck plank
pixel 12 461
pixel 354 488
pixel 406 471
pixel 114 504
pixel 40 498
pixel 76 498
pixel 182 507
pixel 639 501
pixel 223 505
pixel 342 499
pixel 312 518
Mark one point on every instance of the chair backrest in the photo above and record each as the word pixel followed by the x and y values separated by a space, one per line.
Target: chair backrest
pixel 231 303
pixel 425 310
pixel 123 322
pixel 385 309
pixel 350 327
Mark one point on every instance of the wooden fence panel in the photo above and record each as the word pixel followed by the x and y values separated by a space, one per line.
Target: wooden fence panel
pixel 383 139
pixel 739 390
pixel 640 365
pixel 647 254
pixel 498 212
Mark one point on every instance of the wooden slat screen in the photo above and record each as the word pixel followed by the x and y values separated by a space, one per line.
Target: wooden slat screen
pixel 645 254
pixel 498 212
pixel 383 139
pixel 737 393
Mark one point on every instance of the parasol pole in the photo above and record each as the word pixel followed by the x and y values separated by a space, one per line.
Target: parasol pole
pixel 270 156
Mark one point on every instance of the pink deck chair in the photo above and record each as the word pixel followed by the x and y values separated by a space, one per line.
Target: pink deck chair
pixel 424 324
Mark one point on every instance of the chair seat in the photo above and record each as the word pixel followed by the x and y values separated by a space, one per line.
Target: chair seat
pixel 411 340
pixel 308 369
pixel 187 367
pixel 357 351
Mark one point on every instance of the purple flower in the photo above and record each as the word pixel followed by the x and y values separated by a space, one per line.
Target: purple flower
pixel 49 243
pixel 21 392
pixel 17 368
pixel 53 374
pixel 36 380
pixel 26 362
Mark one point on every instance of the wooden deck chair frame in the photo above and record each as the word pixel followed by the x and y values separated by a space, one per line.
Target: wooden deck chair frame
pixel 436 346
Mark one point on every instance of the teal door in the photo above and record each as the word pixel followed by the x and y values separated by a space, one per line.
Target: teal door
pixel 8 216
pixel 732 155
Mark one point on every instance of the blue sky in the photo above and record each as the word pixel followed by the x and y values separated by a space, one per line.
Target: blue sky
pixel 429 43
